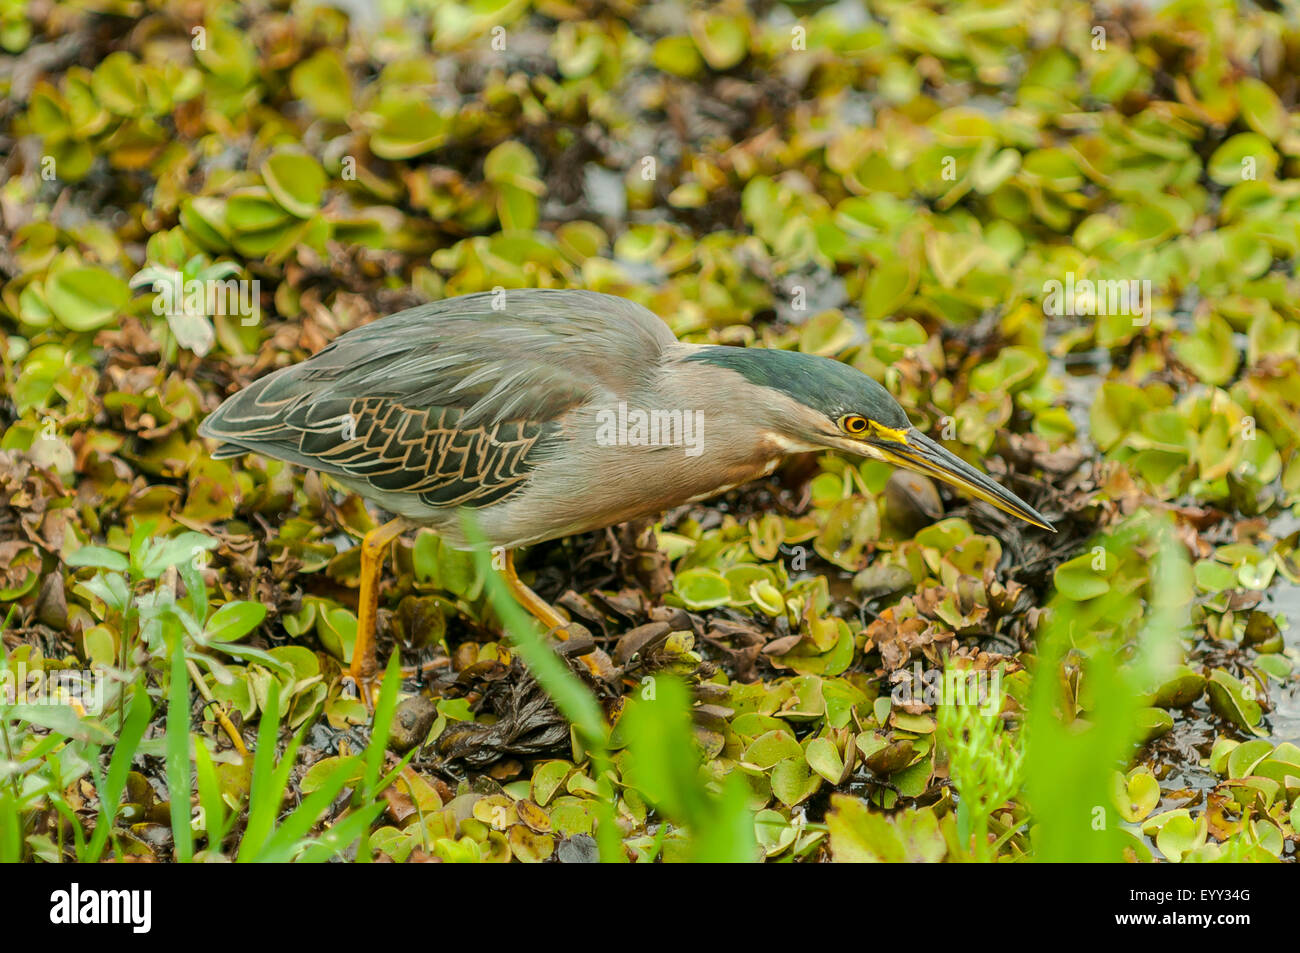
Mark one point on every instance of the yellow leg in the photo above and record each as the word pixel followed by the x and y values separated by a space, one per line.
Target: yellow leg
pixel 538 607
pixel 364 665
pixel 597 662
pixel 222 718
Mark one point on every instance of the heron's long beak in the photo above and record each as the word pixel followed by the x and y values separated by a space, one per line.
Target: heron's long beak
pixel 918 452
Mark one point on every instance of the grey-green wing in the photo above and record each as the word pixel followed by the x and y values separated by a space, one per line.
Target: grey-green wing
pixel 455 402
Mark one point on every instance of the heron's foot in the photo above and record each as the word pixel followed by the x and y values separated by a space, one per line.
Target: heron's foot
pixel 363 677
pixel 363 681
pixel 366 686
pixel 228 726
pixel 596 661
pixel 575 642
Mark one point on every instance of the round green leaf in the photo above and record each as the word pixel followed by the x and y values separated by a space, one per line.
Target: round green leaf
pixel 234 620
pixel 86 298
pixel 296 181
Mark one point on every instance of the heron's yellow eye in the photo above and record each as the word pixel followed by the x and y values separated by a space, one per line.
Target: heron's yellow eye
pixel 854 424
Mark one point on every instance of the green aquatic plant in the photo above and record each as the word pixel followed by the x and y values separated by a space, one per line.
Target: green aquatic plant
pixel 985 758
pixel 1082 721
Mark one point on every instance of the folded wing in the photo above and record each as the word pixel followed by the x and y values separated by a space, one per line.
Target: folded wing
pixel 455 401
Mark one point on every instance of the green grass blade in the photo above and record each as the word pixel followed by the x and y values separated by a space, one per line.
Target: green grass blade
pixel 381 725
pixel 138 713
pixel 264 796
pixel 728 836
pixel 281 846
pixel 564 688
pixel 336 840
pixel 664 764
pixel 1069 762
pixel 74 822
pixel 391 777
pixel 11 829
pixel 178 754
pixel 571 697
pixel 374 755
pixel 214 808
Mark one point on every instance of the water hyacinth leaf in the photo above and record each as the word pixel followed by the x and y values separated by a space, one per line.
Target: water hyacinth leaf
pixel 1213 576
pixel 405 128
pixel 33 310
pixel 117 84
pixel 989 173
pixel 1209 352
pixel 1277 666
pixel 1245 156
pixel 859 835
pixel 1235 700
pixel 1079 578
pixel 702 588
pixel 1286 774
pixel 1256 575
pixel 100 646
pixel 253 210
pixel 533 817
pixel 923 840
pixel 323 83
pixel 886 758
pixel 1180 835
pixel 204 219
pixel 1136 795
pixel 951 255
pixel 513 163
pixel 793 781
pixel 723 41
pixel 771 748
pixel 773 831
pixel 828 333
pixel 1261 108
pixel 296 181
pixel 888 288
pixel 824 758
pixel 226 53
pixel 445 568
pixel 850 525
pixel 528 846
pixel 1244 757
pixel 767 598
pixel 85 298
pixel 677 55
pixel 516 209
pixel 336 627
pixel 1152 723
pixel 573 816
pixel 1183 688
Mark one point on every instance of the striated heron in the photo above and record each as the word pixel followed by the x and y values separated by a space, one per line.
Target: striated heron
pixel 550 413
